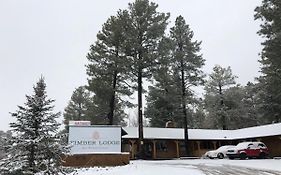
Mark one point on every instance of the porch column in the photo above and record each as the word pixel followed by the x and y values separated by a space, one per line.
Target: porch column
pixel 219 143
pixel 177 149
pixel 198 145
pixel 214 144
pixel 132 148
pixel 199 149
pixel 154 156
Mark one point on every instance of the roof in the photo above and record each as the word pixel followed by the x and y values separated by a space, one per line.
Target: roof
pixel 155 133
pixel 205 134
pixel 258 131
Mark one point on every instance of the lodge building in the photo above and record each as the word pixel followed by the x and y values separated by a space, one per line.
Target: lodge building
pixel 167 143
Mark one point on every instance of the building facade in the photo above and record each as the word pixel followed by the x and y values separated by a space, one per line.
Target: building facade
pixel 168 143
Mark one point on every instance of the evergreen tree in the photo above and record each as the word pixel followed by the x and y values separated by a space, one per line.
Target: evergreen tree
pixel 4 138
pixel 234 109
pixel 187 64
pixel 78 106
pixel 198 115
pixel 144 29
pixel 251 102
pixel 82 107
pixel 219 79
pixel 241 107
pixel 163 98
pixel 34 146
pixel 269 14
pixel 107 70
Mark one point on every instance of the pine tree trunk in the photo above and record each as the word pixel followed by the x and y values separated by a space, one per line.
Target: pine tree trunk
pixel 32 159
pixel 222 112
pixel 112 100
pixel 140 119
pixel 32 150
pixel 184 110
pixel 80 111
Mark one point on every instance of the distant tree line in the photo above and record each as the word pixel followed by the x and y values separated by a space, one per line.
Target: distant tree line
pixel 136 46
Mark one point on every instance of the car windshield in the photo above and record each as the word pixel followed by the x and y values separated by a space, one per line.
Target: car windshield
pixel 243 145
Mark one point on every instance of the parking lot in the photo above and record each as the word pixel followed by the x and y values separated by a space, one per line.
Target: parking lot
pixel 192 167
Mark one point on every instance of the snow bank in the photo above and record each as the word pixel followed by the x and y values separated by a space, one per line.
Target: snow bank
pixel 179 167
pixel 142 168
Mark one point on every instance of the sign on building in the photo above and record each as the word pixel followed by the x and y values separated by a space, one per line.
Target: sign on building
pixel 94 139
pixel 79 123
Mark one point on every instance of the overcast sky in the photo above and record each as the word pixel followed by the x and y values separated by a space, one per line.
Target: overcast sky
pixel 51 38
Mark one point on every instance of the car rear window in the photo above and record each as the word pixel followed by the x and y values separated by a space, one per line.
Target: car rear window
pixel 261 145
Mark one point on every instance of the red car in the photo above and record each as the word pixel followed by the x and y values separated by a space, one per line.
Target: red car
pixel 248 150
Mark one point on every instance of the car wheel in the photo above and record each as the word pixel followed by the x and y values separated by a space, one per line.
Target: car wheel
pixel 243 156
pixel 220 156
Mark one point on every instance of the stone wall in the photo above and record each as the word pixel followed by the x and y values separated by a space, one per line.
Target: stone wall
pixel 91 160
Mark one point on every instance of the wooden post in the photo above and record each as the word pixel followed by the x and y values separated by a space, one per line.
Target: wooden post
pixel 154 151
pixel 132 149
pixel 177 149
pixel 214 144
pixel 198 146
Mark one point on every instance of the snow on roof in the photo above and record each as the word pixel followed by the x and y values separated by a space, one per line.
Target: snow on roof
pixel 205 134
pixel 209 134
pixel 155 133
pixel 258 131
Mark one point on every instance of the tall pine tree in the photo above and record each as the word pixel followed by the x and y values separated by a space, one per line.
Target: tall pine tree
pixel 187 65
pixel 144 30
pixel 34 146
pixel 269 14
pixel 163 97
pixel 107 70
pixel 220 79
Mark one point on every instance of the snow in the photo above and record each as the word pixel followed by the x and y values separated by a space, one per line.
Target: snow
pixel 206 134
pixel 258 131
pixel 142 168
pixel 268 164
pixel 209 134
pixel 155 133
pixel 183 167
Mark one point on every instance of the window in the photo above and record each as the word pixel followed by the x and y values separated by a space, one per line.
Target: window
pixel 261 145
pixel 162 146
pixel 250 146
pixel 206 145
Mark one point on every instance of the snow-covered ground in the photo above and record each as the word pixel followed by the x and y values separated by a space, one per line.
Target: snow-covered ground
pixel 191 167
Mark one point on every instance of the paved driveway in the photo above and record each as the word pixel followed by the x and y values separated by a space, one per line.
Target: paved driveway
pixel 215 169
pixel 233 170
